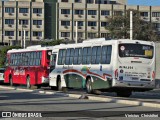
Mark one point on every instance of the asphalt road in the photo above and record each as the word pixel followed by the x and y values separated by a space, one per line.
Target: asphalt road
pixel 60 106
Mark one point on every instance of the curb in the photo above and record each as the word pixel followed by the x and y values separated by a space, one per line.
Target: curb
pixel 115 100
pixel 95 98
pixel 143 93
pixel 9 88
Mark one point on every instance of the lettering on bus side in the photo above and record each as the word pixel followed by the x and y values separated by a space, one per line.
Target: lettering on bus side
pixel 126 67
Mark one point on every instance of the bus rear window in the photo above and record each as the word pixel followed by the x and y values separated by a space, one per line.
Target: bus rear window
pixel 136 50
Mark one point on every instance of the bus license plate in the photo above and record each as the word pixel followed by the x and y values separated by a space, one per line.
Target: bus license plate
pixel 135 78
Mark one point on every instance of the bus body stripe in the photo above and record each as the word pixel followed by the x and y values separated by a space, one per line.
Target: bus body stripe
pixel 84 75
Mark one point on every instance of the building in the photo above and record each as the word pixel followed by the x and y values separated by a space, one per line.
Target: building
pixel 91 15
pixel 17 16
pixel 55 19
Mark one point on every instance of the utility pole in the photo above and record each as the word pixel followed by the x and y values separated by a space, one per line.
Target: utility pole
pixel 24 39
pixel 131 25
pixel 76 32
pixel 22 34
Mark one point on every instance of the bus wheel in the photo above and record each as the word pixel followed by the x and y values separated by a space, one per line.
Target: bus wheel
pixel 53 88
pixel 28 82
pixel 39 86
pixel 89 86
pixel 124 93
pixel 10 81
pixel 59 86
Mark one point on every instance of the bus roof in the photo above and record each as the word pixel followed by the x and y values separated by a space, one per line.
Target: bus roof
pixel 99 42
pixel 31 48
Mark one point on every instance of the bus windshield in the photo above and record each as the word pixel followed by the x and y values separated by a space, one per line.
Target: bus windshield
pixel 135 50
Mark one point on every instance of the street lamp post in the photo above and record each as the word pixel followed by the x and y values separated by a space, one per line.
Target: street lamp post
pixel 76 32
pixel 22 34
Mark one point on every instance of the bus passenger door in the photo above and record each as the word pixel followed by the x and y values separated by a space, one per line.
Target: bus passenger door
pixel 53 62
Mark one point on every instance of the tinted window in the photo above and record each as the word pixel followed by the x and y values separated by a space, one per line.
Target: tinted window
pixel 77 56
pixel 96 55
pixel 61 56
pixel 106 54
pixel 136 50
pixel 86 55
pixel 71 56
pixel 67 56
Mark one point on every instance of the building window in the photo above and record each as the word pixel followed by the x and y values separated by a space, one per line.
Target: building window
pixel 144 14
pixel 90 1
pixel 78 12
pixel 92 12
pixel 23 10
pixel 105 35
pixel 37 22
pixel 65 23
pixel 80 34
pixel 156 25
pixel 77 1
pixel 112 2
pixel 26 32
pixel 80 23
pixel 105 12
pixel 155 14
pixel 91 35
pixel 37 10
pixel 37 33
pixel 104 24
pixel 92 23
pixel 64 0
pixel 101 1
pixel 9 10
pixel 23 22
pixel 65 34
pixel 9 33
pixel 65 11
pixel 118 13
pixel 9 21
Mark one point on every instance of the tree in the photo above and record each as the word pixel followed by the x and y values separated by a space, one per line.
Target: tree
pixel 52 43
pixel 119 27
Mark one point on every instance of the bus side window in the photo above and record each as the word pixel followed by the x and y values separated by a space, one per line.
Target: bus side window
pixel 71 56
pixel 67 56
pixel 98 55
pixel 89 51
pixel 61 57
pixel 75 60
pixel 106 54
pixel 93 59
pixel 79 55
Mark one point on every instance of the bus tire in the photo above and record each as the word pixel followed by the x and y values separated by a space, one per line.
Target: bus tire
pixel 53 88
pixel 89 86
pixel 10 80
pixel 124 94
pixel 39 86
pixel 28 82
pixel 59 85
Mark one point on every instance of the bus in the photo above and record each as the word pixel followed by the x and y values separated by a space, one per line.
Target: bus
pixel 28 66
pixel 120 66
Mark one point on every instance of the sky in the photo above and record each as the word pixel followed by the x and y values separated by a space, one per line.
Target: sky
pixel 144 2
